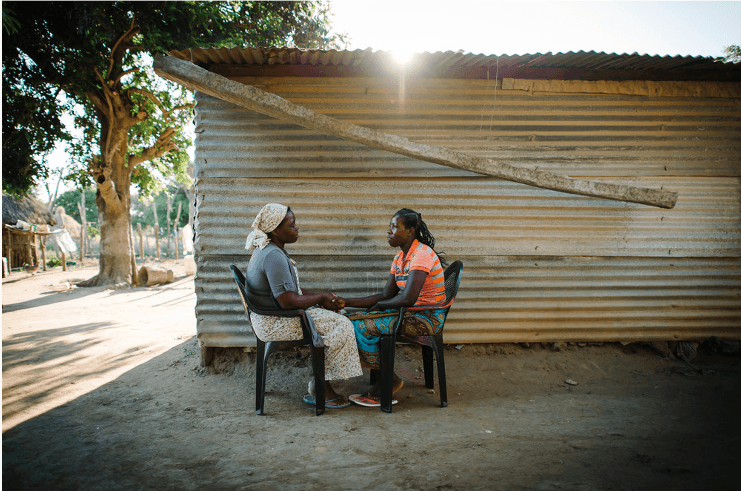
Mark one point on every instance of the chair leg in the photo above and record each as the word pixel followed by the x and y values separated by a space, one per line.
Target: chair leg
pixel 387 348
pixel 317 359
pixel 437 343
pixel 427 365
pixel 260 368
pixel 373 376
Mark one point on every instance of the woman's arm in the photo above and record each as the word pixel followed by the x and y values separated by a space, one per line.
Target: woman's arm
pixel 293 301
pixel 388 292
pixel 278 272
pixel 407 297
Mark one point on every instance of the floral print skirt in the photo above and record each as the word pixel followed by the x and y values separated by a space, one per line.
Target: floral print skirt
pixel 341 359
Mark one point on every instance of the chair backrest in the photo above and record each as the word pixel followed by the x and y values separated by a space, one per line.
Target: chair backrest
pixel 453 275
pixel 240 280
pixel 250 306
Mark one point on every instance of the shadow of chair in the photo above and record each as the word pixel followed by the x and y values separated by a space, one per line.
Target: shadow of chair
pixel 432 344
pixel 266 348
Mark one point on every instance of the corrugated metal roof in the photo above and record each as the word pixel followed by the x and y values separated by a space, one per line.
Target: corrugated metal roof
pixel 582 60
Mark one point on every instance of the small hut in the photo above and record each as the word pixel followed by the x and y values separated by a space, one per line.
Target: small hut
pixel 540 266
pixel 21 247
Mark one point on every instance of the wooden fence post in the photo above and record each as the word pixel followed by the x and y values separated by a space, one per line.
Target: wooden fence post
pixel 43 251
pixel 83 228
pixel 169 212
pixel 141 241
pixel 176 228
pixel 156 229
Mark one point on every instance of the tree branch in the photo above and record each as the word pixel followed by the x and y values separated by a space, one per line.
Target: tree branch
pixel 107 93
pixel 123 37
pixel 163 145
pixel 149 96
pixel 166 114
pixel 123 74
pixel 97 101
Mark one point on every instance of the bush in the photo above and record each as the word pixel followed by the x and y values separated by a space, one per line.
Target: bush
pixel 53 262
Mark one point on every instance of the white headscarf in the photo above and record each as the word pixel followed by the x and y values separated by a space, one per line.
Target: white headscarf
pixel 265 222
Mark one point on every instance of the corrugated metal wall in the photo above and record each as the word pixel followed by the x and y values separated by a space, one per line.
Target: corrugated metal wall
pixel 538 265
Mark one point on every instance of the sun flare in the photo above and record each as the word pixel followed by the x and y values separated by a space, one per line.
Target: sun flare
pixel 402 56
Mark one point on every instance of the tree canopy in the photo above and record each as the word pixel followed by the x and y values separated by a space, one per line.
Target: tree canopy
pixel 97 56
pixel 56 54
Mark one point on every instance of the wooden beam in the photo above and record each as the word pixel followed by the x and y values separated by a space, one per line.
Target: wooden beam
pixel 197 78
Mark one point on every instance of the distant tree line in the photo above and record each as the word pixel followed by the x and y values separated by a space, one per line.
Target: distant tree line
pixel 141 208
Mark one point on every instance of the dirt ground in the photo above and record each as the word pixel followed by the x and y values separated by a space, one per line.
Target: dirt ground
pixel 102 390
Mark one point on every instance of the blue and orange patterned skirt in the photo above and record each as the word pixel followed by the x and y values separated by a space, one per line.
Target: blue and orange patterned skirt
pixel 370 326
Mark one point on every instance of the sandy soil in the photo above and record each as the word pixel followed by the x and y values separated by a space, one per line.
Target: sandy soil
pixel 102 390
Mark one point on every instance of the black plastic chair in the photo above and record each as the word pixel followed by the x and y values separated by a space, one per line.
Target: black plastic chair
pixel 431 344
pixel 266 348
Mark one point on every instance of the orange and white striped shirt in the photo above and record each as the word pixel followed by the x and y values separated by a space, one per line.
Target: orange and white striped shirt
pixel 421 257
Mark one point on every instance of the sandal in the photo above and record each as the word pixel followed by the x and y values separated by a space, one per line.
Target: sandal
pixel 336 403
pixel 368 400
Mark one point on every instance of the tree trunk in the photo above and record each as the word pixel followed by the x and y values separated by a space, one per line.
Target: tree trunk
pixel 114 215
pixel 115 248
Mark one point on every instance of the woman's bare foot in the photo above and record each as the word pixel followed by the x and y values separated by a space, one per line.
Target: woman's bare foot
pixel 329 393
pixel 396 386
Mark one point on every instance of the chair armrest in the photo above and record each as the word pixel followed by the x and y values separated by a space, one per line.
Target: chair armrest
pixel 277 313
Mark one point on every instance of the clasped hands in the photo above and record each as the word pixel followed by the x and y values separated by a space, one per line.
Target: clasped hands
pixel 332 302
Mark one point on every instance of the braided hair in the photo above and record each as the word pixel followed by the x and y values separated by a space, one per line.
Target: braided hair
pixel 412 219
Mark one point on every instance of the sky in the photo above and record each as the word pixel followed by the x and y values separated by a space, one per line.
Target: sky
pixel 517 28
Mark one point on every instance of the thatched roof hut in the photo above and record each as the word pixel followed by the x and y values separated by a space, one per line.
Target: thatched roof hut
pixel 22 248
pixel 73 226
pixel 28 209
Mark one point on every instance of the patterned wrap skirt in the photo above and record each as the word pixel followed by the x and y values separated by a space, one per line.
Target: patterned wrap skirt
pixel 370 326
pixel 341 351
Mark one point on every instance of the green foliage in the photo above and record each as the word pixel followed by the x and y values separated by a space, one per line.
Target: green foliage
pixel 92 229
pixel 732 54
pixel 10 23
pixel 70 199
pixel 58 54
pixel 53 262
pixel 142 212
pixel 32 122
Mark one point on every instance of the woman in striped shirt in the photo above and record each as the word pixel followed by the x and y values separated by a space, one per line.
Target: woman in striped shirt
pixel 416 278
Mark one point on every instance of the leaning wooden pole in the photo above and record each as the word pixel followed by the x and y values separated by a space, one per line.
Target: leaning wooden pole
pixel 195 78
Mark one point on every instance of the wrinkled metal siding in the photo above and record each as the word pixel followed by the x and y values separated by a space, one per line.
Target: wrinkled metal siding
pixel 539 265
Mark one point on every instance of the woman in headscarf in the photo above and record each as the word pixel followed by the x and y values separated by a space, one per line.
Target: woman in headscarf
pixel 271 277
pixel 416 278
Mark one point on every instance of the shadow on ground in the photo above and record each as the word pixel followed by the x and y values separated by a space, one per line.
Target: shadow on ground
pixel 634 421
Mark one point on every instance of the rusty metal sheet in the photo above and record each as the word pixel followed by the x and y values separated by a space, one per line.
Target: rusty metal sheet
pixel 520 298
pixel 576 135
pixel 483 216
pixel 539 265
